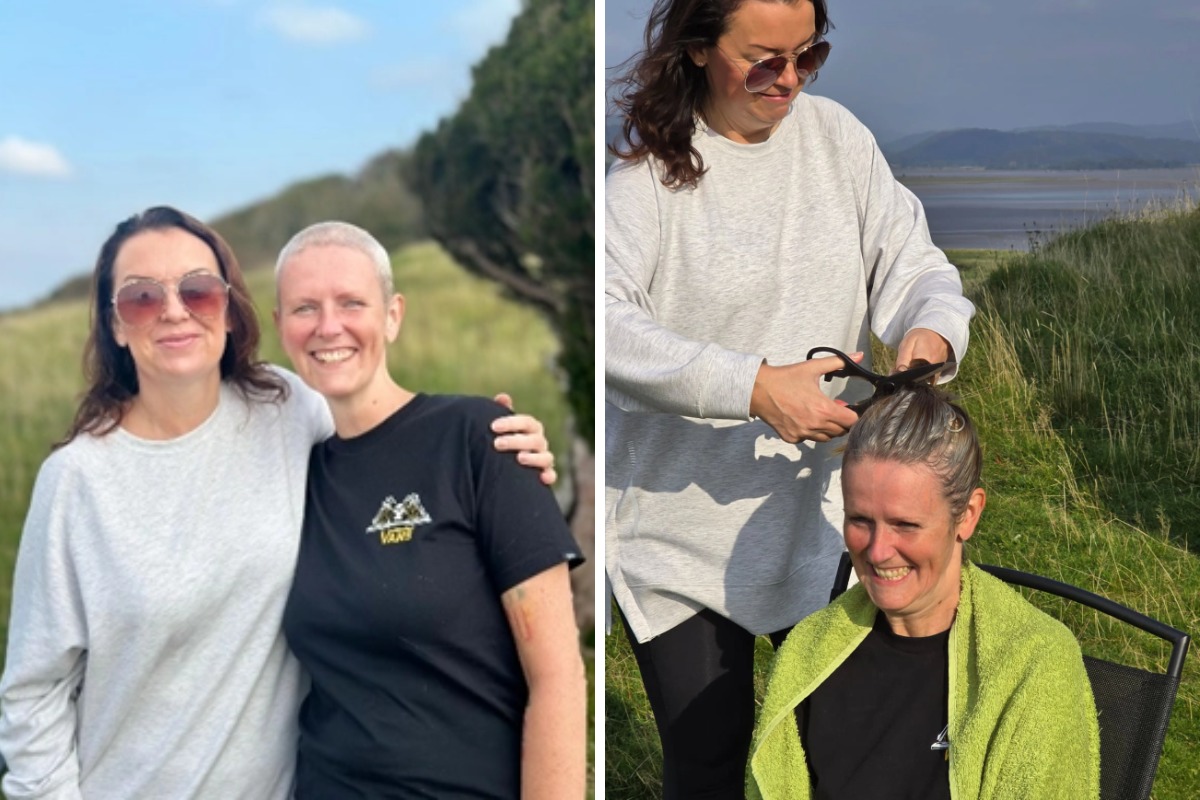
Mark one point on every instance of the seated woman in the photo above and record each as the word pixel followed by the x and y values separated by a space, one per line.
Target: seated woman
pixel 930 678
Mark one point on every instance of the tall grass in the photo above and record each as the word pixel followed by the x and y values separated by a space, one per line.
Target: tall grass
pixel 39 380
pixel 1104 321
pixel 1045 354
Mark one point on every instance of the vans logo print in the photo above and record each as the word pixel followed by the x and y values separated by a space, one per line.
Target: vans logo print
pixel 394 522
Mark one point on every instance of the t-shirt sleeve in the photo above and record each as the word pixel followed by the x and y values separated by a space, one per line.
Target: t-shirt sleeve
pixel 521 529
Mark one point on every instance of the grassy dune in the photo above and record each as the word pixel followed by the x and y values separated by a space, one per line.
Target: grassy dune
pixel 1104 323
pixel 1083 379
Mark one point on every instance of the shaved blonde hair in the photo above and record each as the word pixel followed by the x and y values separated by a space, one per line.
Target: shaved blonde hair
pixel 339 234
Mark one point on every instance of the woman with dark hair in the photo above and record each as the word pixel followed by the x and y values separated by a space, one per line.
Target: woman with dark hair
pixel 108 362
pixel 746 223
pixel 145 653
pixel 930 678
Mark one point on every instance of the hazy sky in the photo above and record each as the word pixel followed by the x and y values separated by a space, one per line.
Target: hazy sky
pixel 109 107
pixel 921 65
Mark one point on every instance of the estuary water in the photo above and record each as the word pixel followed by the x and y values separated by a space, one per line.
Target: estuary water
pixel 1005 210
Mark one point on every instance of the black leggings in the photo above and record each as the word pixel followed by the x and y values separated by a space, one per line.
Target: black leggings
pixel 699 677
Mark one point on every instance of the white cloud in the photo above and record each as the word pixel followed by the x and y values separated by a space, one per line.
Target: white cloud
pixel 484 23
pixel 32 158
pixel 313 25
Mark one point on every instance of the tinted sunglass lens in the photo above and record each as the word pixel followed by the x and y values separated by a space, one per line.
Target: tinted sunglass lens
pixel 811 59
pixel 764 74
pixel 139 303
pixel 203 295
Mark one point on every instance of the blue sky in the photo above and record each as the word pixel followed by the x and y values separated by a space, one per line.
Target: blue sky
pixel 922 65
pixel 109 107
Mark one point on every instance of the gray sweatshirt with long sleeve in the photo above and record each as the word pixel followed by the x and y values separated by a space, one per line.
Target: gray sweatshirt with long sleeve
pixel 145 652
pixel 801 241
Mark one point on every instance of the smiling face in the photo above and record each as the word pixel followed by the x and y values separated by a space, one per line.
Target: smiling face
pixel 904 542
pixel 335 323
pixel 177 347
pixel 758 29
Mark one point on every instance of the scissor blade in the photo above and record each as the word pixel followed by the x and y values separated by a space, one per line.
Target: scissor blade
pixel 923 372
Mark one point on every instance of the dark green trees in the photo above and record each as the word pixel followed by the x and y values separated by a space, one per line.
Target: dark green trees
pixel 507 182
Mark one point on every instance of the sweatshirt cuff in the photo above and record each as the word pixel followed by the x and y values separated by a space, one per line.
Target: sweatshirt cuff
pixel 952 325
pixel 729 385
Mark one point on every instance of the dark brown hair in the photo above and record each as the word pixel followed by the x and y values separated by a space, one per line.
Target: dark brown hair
pixel 109 368
pixel 663 91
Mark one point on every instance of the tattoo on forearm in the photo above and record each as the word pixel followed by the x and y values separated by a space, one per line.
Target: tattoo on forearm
pixel 519 615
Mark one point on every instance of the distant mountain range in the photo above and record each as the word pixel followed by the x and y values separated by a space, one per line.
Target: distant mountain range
pixel 1088 145
pixel 1083 146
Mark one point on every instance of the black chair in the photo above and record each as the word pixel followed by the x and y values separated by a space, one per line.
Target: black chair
pixel 1134 704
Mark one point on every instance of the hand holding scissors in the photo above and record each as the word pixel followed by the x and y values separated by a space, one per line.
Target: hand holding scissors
pixel 885 385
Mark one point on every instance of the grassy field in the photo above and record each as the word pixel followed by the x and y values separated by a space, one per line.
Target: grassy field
pixel 1084 379
pixel 459 335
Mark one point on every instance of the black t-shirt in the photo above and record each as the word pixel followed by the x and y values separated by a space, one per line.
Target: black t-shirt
pixel 867 729
pixel 412 532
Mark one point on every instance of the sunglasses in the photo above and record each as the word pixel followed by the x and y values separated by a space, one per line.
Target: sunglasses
pixel 884 385
pixel 143 300
pixel 764 73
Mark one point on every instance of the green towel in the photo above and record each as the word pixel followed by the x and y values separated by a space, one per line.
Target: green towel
pixel 1022 718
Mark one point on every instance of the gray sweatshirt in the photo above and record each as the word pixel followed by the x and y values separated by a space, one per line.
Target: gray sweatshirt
pixel 801 241
pixel 145 653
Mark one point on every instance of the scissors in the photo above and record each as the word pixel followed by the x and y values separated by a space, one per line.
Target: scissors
pixel 884 385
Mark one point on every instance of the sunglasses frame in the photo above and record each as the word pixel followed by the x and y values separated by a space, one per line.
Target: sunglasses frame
pixel 885 385
pixel 791 58
pixel 163 302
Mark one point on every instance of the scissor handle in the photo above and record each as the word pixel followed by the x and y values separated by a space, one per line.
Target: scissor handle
pixel 882 383
pixel 851 368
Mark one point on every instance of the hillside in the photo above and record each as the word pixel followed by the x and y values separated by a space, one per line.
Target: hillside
pixel 1188 131
pixel 377 198
pixel 1042 149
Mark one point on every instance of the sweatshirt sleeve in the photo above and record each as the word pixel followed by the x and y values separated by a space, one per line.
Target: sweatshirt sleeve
pixel 307 407
pixel 648 367
pixel 910 282
pixel 47 645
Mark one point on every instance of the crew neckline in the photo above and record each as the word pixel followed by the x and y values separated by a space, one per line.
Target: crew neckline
pixel 183 440
pixel 909 644
pixel 381 432
pixel 782 132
